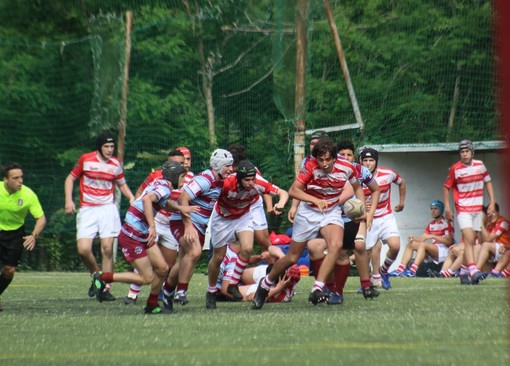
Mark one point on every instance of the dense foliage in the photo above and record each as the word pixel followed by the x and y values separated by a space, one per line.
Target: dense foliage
pixel 212 73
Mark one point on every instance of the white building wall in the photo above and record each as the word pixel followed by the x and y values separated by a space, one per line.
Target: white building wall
pixel 425 173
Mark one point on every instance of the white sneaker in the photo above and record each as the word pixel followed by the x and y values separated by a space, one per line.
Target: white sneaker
pixel 377 283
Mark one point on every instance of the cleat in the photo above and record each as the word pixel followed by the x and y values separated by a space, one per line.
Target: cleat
pixel 334 298
pixel 434 274
pixel 395 274
pixel 233 290
pixel 260 297
pixel 168 300
pixel 496 275
pixel 408 273
pixel 370 293
pixel 479 276
pixel 386 284
pixel 210 300
pixel 317 297
pixel 181 297
pixel 360 290
pixel 107 296
pixel 130 300
pixel 464 280
pixel 92 292
pixel 156 310
pixel 99 286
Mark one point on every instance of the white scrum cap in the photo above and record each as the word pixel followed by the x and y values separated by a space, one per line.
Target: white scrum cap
pixel 221 158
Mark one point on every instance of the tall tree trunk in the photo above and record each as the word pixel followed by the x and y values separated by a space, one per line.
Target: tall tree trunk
pixel 300 99
pixel 455 102
pixel 207 84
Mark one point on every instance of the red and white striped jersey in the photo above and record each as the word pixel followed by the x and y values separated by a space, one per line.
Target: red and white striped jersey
pixel 384 178
pixel 440 227
pixel 97 178
pixel 174 196
pixel 326 186
pixel 467 183
pixel 234 201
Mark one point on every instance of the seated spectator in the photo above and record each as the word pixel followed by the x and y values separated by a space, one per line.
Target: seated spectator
pixel 496 242
pixel 431 245
pixel 451 264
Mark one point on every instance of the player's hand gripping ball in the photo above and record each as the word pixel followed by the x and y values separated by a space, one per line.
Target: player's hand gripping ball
pixel 354 208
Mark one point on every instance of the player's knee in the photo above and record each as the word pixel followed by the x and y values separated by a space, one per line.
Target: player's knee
pixel 293 258
pixel 147 279
pixel 84 252
pixel 107 252
pixel 162 270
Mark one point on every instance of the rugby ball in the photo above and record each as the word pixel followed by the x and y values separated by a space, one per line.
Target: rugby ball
pixel 354 208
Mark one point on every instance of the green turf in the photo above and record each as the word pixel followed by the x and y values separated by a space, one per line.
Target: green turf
pixel 49 320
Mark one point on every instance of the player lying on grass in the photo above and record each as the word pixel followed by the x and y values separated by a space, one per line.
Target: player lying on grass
pixel 282 291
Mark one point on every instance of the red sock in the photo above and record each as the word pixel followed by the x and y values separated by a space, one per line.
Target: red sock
pixel 106 277
pixel 182 287
pixel 152 301
pixel 365 283
pixel 315 265
pixel 341 274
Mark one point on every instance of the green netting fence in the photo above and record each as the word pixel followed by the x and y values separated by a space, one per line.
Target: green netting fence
pixel 209 74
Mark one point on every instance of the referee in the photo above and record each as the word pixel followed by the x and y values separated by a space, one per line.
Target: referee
pixel 16 200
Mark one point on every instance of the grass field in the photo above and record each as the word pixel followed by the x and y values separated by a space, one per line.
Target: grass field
pixel 49 320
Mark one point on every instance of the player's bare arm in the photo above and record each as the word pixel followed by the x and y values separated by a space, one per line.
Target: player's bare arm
pixel 402 189
pixel 70 207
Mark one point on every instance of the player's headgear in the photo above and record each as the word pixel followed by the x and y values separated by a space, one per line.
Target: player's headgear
pixel 294 273
pixel 318 134
pixel 104 137
pixel 245 169
pixel 466 144
pixel 184 150
pixel 171 171
pixel 439 205
pixel 369 153
pixel 220 158
pixel 358 153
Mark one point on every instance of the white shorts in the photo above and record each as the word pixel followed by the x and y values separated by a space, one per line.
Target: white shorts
pixel 223 231
pixel 442 253
pixel 470 220
pixel 383 228
pixel 93 220
pixel 497 256
pixel 165 236
pixel 308 222
pixel 259 215
pixel 259 273
pixel 207 239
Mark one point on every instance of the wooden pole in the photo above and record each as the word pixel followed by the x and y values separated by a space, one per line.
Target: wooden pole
pixel 345 69
pixel 123 111
pixel 300 98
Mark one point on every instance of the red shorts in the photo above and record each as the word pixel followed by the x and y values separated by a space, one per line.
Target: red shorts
pixel 177 228
pixel 131 248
